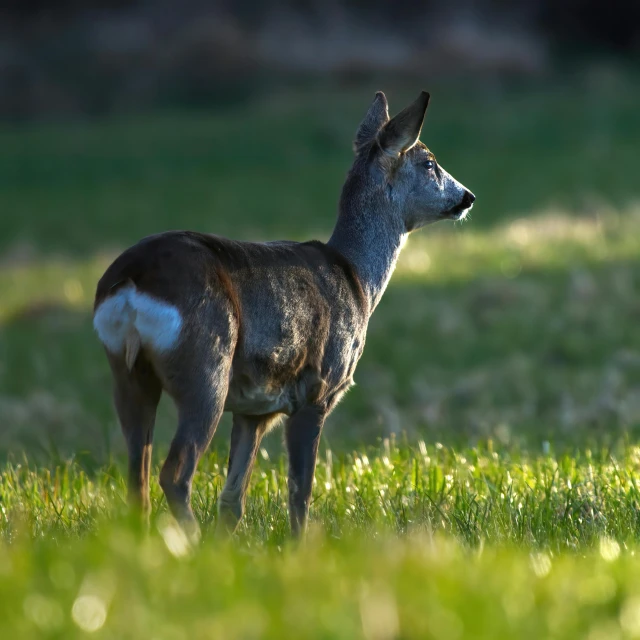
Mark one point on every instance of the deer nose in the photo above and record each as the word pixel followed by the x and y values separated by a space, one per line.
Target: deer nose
pixel 468 199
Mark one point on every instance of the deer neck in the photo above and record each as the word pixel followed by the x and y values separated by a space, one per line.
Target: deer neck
pixel 371 240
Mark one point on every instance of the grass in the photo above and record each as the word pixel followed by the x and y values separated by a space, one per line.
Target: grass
pixel 481 478
pixel 424 542
pixel 476 495
pixel 418 587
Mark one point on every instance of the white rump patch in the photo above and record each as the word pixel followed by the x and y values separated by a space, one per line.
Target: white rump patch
pixel 158 323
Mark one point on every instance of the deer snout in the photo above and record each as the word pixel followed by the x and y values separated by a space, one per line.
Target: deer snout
pixel 467 200
pixel 459 212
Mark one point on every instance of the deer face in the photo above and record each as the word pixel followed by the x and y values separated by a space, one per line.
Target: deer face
pixel 424 191
pixel 403 172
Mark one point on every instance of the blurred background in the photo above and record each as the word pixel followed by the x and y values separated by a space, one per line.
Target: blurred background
pixel 119 119
pixel 94 57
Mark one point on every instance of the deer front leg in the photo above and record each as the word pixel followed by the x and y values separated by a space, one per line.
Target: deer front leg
pixel 302 435
pixel 246 435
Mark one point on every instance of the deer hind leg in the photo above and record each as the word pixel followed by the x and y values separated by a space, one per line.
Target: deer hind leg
pixel 302 437
pixel 200 390
pixel 246 434
pixel 136 396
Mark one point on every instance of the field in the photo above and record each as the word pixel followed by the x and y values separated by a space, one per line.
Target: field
pixel 480 480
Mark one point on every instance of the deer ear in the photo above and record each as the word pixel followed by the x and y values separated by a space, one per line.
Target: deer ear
pixel 376 118
pixel 403 131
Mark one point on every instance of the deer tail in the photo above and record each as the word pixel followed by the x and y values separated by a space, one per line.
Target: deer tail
pixel 131 347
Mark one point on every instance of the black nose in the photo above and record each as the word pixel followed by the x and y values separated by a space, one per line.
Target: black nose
pixel 468 199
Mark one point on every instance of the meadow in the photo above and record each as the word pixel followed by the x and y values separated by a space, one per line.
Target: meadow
pixel 479 481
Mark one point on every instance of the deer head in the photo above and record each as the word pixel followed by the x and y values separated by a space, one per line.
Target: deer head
pixel 398 174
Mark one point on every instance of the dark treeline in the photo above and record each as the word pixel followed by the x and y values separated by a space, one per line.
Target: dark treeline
pixel 614 25
pixel 94 56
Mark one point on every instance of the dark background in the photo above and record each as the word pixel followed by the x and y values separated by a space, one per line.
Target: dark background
pixel 99 56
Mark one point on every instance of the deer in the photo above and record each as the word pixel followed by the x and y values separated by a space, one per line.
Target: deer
pixel 264 330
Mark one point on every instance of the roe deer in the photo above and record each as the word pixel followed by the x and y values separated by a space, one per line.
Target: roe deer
pixel 263 330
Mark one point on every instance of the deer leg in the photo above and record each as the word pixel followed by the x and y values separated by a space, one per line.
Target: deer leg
pixel 246 435
pixel 195 430
pixel 200 402
pixel 302 436
pixel 136 396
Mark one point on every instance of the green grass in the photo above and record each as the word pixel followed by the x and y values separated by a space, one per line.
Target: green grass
pixel 423 542
pixel 511 341
pixel 478 495
pixel 415 587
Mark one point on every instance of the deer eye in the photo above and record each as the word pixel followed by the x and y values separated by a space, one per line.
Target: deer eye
pixel 429 165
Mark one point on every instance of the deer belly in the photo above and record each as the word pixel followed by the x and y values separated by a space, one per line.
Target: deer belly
pixel 262 394
pixel 245 397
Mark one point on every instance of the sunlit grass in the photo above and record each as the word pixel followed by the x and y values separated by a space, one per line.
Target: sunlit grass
pixel 30 289
pixel 476 495
pixel 423 542
pixel 536 241
pixel 416 587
